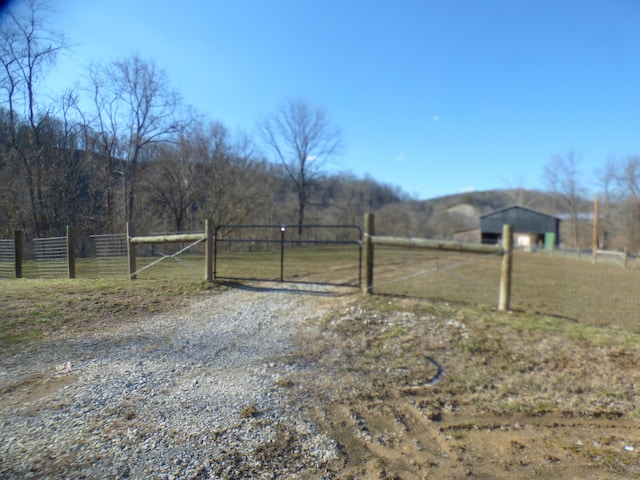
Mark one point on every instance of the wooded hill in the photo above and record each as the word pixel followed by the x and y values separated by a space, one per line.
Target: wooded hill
pixel 443 217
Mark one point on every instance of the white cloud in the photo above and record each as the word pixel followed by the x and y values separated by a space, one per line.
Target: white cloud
pixel 467 189
pixel 436 118
pixel 399 158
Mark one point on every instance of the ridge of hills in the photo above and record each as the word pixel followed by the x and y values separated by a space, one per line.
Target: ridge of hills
pixel 442 217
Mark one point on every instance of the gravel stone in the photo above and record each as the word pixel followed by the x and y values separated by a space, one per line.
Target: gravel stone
pixel 190 394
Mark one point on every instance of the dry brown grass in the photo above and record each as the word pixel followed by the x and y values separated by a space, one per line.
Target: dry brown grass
pixel 599 295
pixel 33 308
pixel 523 396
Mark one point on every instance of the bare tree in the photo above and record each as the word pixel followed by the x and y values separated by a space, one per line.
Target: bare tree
pixel 236 184
pixel 137 108
pixel 177 177
pixel 301 138
pixel 14 210
pixel 205 174
pixel 105 144
pixel 606 181
pixel 27 49
pixel 619 187
pixel 562 177
pixel 628 180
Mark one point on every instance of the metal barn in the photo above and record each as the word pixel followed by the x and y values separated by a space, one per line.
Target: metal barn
pixel 530 228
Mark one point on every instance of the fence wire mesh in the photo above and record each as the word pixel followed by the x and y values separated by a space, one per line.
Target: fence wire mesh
pixel 51 257
pixel 437 275
pixel 111 255
pixel 559 284
pixel 571 286
pixel 7 258
pixel 329 254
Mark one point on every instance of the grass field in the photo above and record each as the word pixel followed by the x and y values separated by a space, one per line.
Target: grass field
pixel 595 295
pixel 319 264
pixel 547 391
pixel 102 292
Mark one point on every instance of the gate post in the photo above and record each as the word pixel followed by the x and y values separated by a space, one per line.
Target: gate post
pixel 71 253
pixel 18 251
pixel 282 230
pixel 504 301
pixel 131 251
pixel 368 253
pixel 208 252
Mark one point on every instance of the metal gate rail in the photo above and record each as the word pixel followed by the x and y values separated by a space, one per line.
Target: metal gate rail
pixel 279 236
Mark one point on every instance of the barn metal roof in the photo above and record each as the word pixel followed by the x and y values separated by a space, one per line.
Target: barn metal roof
pixel 519 207
pixel 523 220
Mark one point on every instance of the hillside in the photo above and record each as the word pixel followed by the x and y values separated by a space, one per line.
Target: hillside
pixel 442 217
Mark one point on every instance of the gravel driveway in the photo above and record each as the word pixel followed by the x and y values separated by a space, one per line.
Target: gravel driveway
pixel 193 394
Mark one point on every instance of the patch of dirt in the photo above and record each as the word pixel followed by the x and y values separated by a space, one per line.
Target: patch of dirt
pixel 520 396
pixel 33 388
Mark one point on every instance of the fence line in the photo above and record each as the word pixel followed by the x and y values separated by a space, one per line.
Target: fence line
pixel 7 258
pixel 619 258
pixel 568 287
pixel 111 253
pixel 370 239
pixel 278 238
pixel 439 268
pixel 196 238
pixel 558 282
pixel 133 274
pixel 51 256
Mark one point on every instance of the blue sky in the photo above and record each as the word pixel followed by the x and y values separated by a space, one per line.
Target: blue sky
pixel 433 96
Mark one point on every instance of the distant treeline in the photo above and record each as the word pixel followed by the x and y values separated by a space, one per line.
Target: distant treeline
pixel 201 174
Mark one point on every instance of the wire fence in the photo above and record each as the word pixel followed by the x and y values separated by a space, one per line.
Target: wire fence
pixel 600 294
pixel 562 284
pixel 51 257
pixel 176 259
pixel 7 258
pixel 438 275
pixel 111 255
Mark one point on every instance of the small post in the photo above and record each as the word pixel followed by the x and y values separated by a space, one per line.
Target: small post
pixel 367 288
pixel 131 252
pixel 215 253
pixel 71 253
pixel 504 301
pixel 282 230
pixel 19 251
pixel 595 229
pixel 626 256
pixel 208 252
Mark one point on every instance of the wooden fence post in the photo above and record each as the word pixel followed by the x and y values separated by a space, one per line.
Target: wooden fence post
pixel 208 252
pixel 368 253
pixel 18 243
pixel 131 252
pixel 596 228
pixel 71 253
pixel 626 256
pixel 504 302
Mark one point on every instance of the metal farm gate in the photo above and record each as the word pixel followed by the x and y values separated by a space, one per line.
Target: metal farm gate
pixel 328 254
